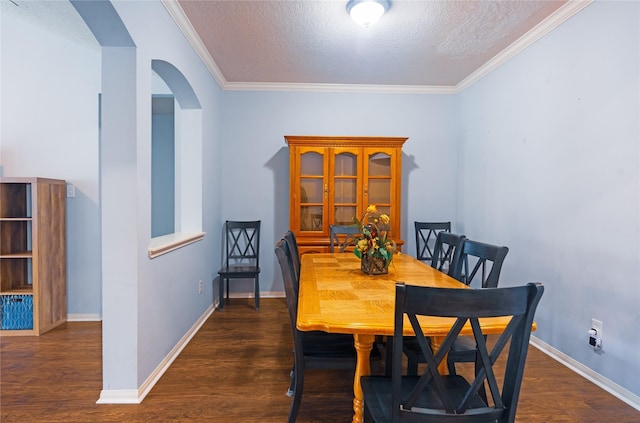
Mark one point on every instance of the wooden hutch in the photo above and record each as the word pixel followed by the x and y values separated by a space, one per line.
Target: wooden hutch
pixel 334 179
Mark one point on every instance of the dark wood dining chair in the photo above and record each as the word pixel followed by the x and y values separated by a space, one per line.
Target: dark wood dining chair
pixel 342 236
pixel 432 397
pixel 242 256
pixel 313 349
pixel 447 251
pixel 479 265
pixel 426 234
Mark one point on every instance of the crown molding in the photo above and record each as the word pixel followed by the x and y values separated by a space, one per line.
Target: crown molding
pixel 547 25
pixel 178 15
pixel 551 22
pixel 340 88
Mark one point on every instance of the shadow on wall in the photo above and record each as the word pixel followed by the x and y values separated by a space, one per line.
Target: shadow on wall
pixel 279 165
pixel 408 165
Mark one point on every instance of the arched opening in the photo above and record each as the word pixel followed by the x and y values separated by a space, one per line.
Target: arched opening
pixel 176 215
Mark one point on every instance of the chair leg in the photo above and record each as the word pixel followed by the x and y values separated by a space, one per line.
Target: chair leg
pixel 257 294
pixel 221 306
pixel 412 366
pixel 298 383
pixel 292 385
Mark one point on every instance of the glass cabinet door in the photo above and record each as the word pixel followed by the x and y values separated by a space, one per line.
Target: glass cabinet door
pixel 378 180
pixel 346 186
pixel 312 194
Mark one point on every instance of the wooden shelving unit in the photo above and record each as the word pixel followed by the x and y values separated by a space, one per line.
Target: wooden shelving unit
pixel 32 255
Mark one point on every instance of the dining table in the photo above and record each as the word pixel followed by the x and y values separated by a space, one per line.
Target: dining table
pixel 336 296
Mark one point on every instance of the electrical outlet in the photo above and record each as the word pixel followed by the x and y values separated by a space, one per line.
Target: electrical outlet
pixel 200 288
pixel 595 334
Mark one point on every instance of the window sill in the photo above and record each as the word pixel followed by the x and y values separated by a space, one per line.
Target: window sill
pixel 167 243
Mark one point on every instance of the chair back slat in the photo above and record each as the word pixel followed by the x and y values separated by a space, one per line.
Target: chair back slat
pixel 342 236
pixel 288 277
pixel 242 243
pixel 480 262
pixel 426 235
pixel 447 251
pixel 292 243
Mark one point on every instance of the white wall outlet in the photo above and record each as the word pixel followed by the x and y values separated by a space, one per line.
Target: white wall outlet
pixel 595 334
pixel 200 288
pixel 597 325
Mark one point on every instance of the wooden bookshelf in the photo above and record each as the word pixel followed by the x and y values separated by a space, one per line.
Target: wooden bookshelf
pixel 32 255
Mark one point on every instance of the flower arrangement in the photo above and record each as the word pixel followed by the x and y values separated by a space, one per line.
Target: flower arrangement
pixel 373 245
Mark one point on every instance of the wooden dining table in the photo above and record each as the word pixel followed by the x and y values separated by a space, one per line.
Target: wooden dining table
pixel 336 296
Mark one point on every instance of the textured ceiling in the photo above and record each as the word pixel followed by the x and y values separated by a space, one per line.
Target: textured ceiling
pixel 418 46
pixel 417 43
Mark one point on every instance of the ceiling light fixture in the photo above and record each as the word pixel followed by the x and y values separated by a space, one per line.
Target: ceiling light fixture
pixel 367 12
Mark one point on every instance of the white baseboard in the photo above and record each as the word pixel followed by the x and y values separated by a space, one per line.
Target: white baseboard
pixel 119 396
pixel 589 374
pixel 270 294
pixel 84 317
pixel 96 317
pixel 130 396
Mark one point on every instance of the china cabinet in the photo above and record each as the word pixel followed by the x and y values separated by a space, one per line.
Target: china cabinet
pixel 334 179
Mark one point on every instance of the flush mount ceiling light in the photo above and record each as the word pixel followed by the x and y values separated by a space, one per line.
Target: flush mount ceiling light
pixel 367 12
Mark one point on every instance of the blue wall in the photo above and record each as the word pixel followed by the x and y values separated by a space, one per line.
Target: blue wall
pixel 256 168
pixel 550 168
pixel 50 85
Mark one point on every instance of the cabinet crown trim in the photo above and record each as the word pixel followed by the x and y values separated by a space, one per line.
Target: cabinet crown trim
pixel 342 141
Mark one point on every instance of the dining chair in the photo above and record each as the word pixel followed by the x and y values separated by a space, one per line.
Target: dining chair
pixel 342 236
pixel 292 243
pixel 426 234
pixel 446 256
pixel 432 397
pixel 446 251
pixel 313 349
pixel 479 264
pixel 242 256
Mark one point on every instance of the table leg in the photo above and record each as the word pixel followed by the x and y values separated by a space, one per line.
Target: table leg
pixel 363 344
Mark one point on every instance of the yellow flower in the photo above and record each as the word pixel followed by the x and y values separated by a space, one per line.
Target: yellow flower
pixel 373 240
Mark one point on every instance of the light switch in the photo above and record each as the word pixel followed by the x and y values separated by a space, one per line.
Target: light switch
pixel 71 190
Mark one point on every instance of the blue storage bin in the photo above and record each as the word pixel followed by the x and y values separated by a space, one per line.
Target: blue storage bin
pixel 16 312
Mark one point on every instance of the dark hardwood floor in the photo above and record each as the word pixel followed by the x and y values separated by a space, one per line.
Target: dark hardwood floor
pixel 236 369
